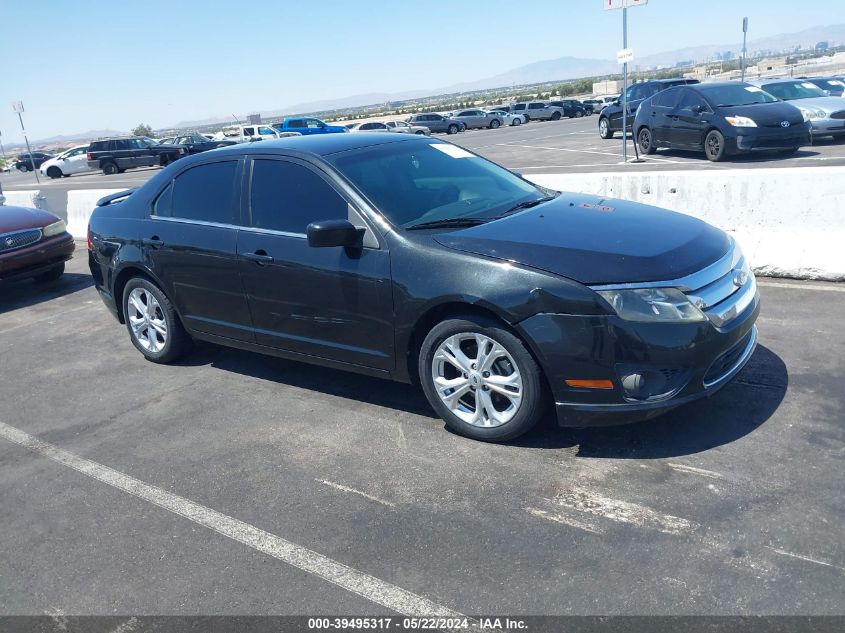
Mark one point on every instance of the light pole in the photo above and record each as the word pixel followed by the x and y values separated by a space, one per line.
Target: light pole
pixel 17 106
pixel 744 36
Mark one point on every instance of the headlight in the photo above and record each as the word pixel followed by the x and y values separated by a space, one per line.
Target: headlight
pixel 668 305
pixel 740 121
pixel 54 229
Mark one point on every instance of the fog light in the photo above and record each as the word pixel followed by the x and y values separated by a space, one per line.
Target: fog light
pixel 653 383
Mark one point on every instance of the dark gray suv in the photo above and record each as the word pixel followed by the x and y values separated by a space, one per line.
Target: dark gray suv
pixel 437 123
pixel 116 155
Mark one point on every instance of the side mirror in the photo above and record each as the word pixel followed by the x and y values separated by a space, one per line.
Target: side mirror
pixel 328 233
pixel 697 109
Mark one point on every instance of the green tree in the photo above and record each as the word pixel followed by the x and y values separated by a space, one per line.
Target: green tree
pixel 142 129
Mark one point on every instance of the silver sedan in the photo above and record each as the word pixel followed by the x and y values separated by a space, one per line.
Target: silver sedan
pixel 508 118
pixel 826 114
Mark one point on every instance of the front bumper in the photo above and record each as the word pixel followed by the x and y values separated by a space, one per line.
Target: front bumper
pixel 826 127
pixel 697 360
pixel 772 139
pixel 36 258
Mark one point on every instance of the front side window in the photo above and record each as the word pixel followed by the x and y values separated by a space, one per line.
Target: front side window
pixel 415 183
pixel 266 130
pixel 286 196
pixel 205 193
pixel 689 100
pixel 314 123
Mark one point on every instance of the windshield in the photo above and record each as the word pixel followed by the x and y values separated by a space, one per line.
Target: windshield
pixel 789 90
pixel 416 183
pixel 738 95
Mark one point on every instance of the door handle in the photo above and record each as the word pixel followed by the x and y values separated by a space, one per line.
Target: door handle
pixel 260 257
pixel 153 241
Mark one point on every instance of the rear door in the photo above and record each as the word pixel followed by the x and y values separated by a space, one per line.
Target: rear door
pixel 660 115
pixel 190 242
pixel 332 303
pixel 122 153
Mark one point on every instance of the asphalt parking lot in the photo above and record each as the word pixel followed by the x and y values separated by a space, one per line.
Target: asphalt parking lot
pixel 569 145
pixel 303 490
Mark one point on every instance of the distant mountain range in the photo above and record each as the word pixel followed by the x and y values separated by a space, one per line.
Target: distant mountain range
pixel 560 69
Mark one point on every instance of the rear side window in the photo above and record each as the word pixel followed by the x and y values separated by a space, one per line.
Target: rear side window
pixel 666 98
pixel 536 106
pixel 287 197
pixel 205 193
pixel 120 144
pixel 296 123
pixel 98 146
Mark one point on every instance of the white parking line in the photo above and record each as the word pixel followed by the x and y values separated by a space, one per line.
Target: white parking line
pixel 565 520
pixel 783 552
pixel 691 470
pixel 359 583
pixel 829 287
pixel 337 486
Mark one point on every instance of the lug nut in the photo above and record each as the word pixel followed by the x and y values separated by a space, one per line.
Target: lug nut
pixel 473 365
pixel 466 375
pixel 486 388
pixel 486 374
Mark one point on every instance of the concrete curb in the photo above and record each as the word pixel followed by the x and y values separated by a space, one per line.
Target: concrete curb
pixel 788 221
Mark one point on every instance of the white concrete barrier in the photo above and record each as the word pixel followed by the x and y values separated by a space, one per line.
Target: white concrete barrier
pixel 80 204
pixel 789 221
pixel 26 198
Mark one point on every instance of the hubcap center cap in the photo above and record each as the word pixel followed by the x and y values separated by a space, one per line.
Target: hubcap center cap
pixel 475 379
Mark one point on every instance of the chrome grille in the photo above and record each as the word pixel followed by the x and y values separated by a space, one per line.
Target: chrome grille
pixel 18 239
pixel 725 289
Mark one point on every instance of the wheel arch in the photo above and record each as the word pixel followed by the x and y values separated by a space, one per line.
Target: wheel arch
pixel 122 277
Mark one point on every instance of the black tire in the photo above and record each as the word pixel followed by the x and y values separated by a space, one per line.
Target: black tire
pixel 555 116
pixel 110 169
pixel 177 342
pixel 453 129
pixel 54 172
pixel 645 141
pixel 604 128
pixel 516 121
pixel 532 404
pixel 23 168
pixel 714 146
pixel 51 275
pixel 494 124
pixel 579 114
pixel 419 133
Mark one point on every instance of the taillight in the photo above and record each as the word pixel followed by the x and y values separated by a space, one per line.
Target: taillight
pixel 89 156
pixel 90 245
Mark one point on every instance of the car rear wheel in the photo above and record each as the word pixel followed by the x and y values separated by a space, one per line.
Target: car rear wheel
pixel 494 124
pixel 714 146
pixel 51 275
pixel 517 121
pixel 604 128
pixel 54 172
pixel 154 327
pixel 23 168
pixel 578 114
pixel 110 169
pixel 555 116
pixel 481 379
pixel 646 141
pixel 453 129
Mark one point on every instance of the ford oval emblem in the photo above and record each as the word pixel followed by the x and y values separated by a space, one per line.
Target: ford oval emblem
pixel 784 123
pixel 740 277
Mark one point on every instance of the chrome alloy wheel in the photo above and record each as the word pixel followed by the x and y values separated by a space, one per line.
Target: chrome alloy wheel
pixel 477 379
pixel 146 319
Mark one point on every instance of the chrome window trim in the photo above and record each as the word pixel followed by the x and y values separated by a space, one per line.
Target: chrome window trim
pixel 221 225
pixel 695 281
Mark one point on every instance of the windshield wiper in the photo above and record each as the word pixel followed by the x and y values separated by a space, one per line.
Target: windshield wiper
pixel 448 223
pixel 527 205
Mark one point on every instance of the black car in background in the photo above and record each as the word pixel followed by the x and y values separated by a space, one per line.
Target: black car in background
pixel 27 162
pixel 116 155
pixel 192 143
pixel 610 119
pixel 572 108
pixel 719 119
pixel 404 257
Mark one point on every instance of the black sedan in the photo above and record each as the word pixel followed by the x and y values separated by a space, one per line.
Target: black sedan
pixel 194 143
pixel 404 257
pixel 31 162
pixel 719 119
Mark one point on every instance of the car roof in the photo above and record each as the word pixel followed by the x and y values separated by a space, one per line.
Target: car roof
pixel 319 145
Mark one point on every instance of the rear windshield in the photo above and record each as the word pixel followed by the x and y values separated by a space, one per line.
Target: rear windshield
pixel 789 90
pixel 412 183
pixel 738 95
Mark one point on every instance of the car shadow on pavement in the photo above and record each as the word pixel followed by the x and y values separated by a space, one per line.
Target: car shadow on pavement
pixel 23 293
pixel 333 382
pixel 733 412
pixel 757 157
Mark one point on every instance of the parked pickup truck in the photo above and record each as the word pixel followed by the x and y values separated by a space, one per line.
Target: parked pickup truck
pixel 247 133
pixel 308 125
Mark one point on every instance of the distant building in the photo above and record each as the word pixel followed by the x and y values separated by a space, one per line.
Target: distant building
pixel 253 119
pixel 770 63
pixel 607 87
pixel 727 56
pixel 822 46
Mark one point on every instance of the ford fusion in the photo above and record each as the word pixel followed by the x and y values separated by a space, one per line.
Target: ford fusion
pixel 409 258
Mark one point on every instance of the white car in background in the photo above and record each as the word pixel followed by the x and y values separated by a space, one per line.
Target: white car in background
pixel 508 118
pixel 406 128
pixel 72 161
pixel 369 126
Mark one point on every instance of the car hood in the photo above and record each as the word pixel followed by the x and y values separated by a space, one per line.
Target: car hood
pixel 19 218
pixel 828 104
pixel 766 114
pixel 596 240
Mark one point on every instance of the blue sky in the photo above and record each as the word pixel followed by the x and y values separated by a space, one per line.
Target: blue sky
pixel 91 64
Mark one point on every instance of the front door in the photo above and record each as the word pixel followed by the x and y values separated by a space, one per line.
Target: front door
pixel 190 242
pixel 688 124
pixel 332 303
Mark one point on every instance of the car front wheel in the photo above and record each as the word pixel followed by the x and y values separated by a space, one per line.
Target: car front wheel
pixel 481 379
pixel 453 129
pixel 54 172
pixel 154 326
pixel 604 128
pixel 714 146
pixel 646 141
